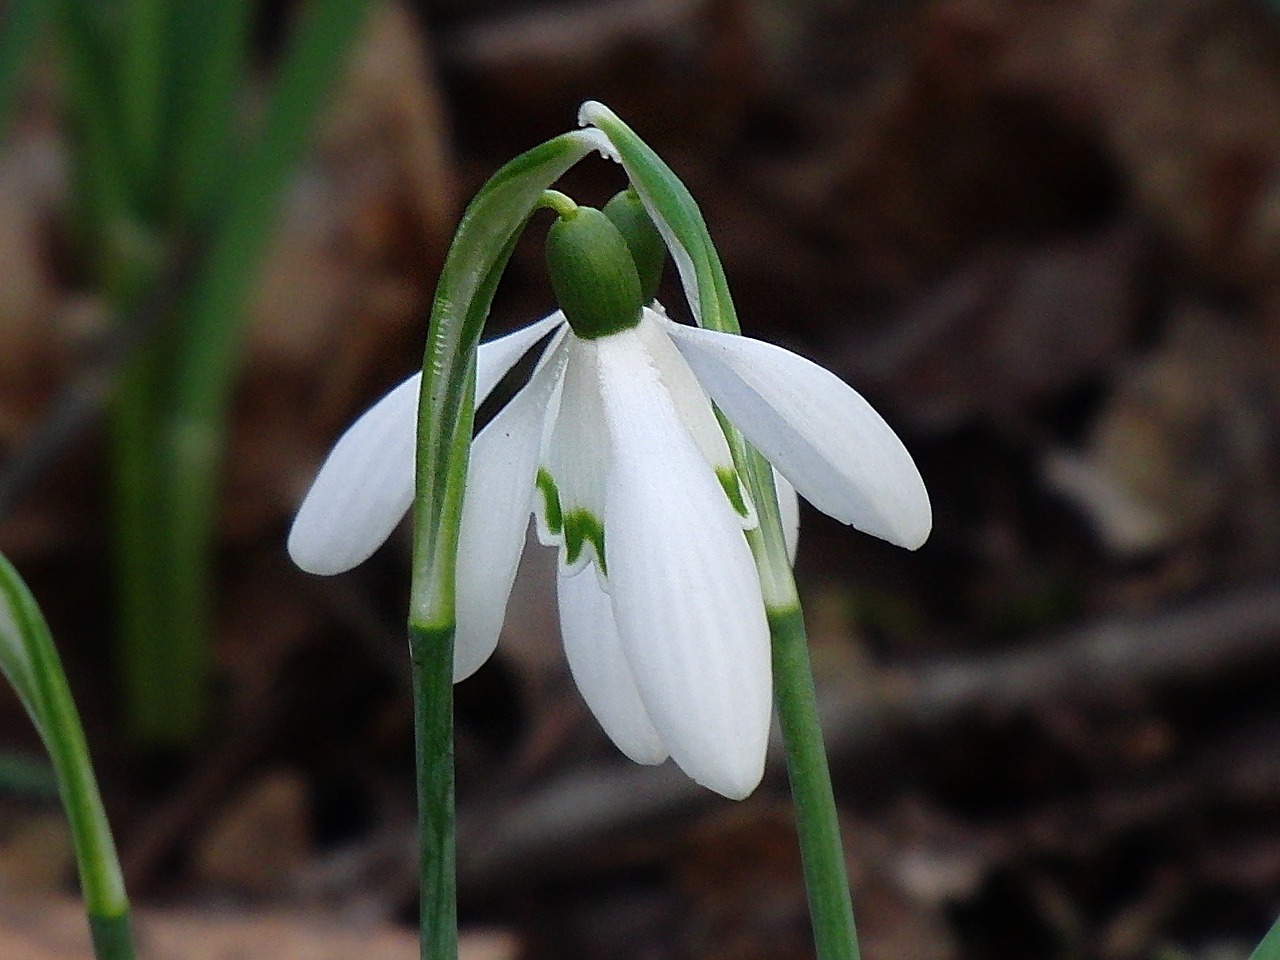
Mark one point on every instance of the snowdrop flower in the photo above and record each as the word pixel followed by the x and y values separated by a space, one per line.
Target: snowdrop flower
pixel 613 445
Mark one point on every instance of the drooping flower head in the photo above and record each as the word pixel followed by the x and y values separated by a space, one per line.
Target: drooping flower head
pixel 616 449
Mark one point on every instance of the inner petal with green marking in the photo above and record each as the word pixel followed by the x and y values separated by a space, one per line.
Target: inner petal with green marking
pixel 575 464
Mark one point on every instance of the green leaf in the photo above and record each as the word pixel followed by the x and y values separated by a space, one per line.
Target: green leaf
pixel 216 312
pixel 201 361
pixel 1269 948
pixel 208 78
pixel 30 662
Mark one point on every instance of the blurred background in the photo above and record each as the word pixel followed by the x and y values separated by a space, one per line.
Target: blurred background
pixel 1042 238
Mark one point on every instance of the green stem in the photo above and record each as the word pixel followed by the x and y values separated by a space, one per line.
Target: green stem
pixel 210 51
pixel 821 850
pixel 142 62
pixel 112 936
pixel 161 659
pixel 35 669
pixel 432 655
pixel 1269 948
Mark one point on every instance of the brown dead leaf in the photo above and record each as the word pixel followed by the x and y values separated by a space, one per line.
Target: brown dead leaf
pixel 1185 446
pixel 1007 330
pixel 260 838
pixel 35 854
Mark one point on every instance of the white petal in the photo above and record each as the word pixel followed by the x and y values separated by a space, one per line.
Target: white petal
pixel 694 407
pixel 365 486
pixel 577 457
pixel 496 357
pixel 601 670
pixel 363 489
pixel 692 402
pixel 789 512
pixel 686 595
pixel 495 514
pixel 823 436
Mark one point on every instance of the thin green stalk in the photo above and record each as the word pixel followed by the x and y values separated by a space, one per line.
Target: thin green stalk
pixel 432 655
pixel 106 221
pixel 480 250
pixel 31 663
pixel 161 703
pixel 171 414
pixel 112 936
pixel 215 318
pixel 817 824
pixel 1269 948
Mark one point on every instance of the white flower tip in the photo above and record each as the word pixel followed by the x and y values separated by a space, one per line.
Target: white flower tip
pixel 363 490
pixel 914 520
pixel 599 141
pixel 648 752
pixel 313 549
pixel 734 774
pixel 591 114
pixel 592 111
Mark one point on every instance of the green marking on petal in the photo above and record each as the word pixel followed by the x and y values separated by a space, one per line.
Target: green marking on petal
pixel 728 478
pixel 550 501
pixel 582 527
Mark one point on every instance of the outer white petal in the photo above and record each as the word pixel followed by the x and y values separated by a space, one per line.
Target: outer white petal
pixel 789 512
pixel 686 595
pixel 365 486
pixel 600 668
pixel 363 489
pixel 495 514
pixel 496 357
pixel 822 435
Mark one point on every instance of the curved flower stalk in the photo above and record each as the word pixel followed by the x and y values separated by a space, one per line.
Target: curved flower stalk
pixel 29 660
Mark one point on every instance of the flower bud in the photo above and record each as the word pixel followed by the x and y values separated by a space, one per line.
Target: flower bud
pixel 648 250
pixel 592 274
